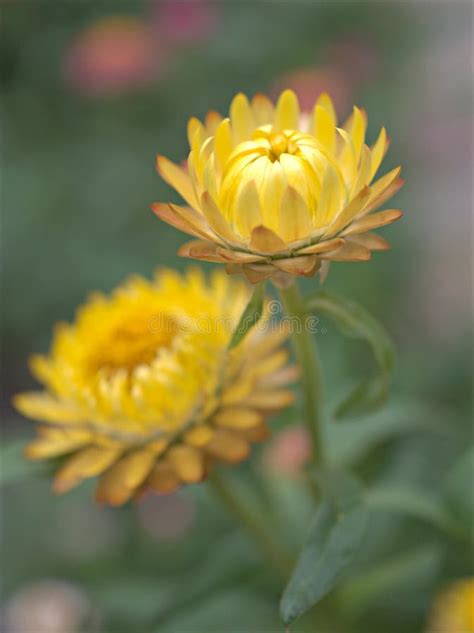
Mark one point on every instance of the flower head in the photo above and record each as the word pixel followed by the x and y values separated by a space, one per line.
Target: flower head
pixel 454 609
pixel 270 190
pixel 142 389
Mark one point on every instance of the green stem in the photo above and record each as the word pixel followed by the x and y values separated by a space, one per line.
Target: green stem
pixel 307 356
pixel 255 528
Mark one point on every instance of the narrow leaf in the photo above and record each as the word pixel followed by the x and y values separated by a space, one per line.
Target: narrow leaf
pixel 334 537
pixel 355 322
pixel 250 316
pixel 413 569
pixel 410 502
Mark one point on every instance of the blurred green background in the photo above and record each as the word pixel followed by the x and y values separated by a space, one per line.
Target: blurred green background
pixel 91 92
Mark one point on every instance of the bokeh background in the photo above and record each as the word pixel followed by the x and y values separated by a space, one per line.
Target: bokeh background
pixel 91 92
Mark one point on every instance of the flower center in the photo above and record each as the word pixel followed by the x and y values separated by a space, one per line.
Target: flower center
pixel 133 342
pixel 279 144
pixel 276 142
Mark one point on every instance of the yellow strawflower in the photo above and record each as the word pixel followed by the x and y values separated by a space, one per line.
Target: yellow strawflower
pixel 272 191
pixel 453 610
pixel 142 390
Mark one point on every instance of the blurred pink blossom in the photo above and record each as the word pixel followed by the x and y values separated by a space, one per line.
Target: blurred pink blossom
pixel 115 54
pixel 181 21
pixel 166 517
pixel 50 606
pixel 289 451
pixel 310 83
pixel 347 64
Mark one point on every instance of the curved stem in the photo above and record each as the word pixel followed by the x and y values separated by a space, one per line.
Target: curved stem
pixel 307 356
pixel 254 527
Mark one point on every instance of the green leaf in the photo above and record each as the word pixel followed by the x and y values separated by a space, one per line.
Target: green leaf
pixel 347 443
pixel 411 571
pixel 15 466
pixel 411 502
pixel 458 491
pixel 334 537
pixel 250 316
pixel 355 322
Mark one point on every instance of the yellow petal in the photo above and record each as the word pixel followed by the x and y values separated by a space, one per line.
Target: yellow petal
pixel 199 435
pixel 196 156
pixel 58 442
pixel 133 468
pixel 330 200
pixel 287 112
pixel 157 447
pixel 210 177
pixel 295 219
pixel 322 247
pixel 257 434
pixel 215 218
pixel 324 128
pixel 274 186
pixel 373 221
pixel 241 118
pixel 356 130
pixel 262 110
pixel 194 125
pixel 325 101
pixel 386 194
pixel 273 363
pixel 301 177
pixel 228 446
pixel 378 152
pixel 281 377
pixel 195 218
pixel 262 344
pixel 236 391
pixel 177 178
pixel 163 478
pixel 89 462
pixel 119 483
pixel 345 216
pixel 247 211
pixel 347 158
pixel 363 176
pixel 39 405
pixel 380 185
pixel 187 462
pixel 223 143
pixel 237 418
pixel 213 120
pixel 168 214
pixel 271 400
